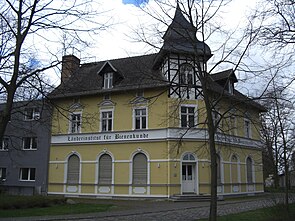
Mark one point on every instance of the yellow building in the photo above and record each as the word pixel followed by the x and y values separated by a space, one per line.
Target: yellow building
pixel 136 126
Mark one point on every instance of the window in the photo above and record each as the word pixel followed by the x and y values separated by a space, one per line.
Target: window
pixel 249 170
pixel 186 74
pixel 139 169
pixel 75 123
pixel 27 174
pixel 139 93
pixel 2 174
pixel 216 119
pixel 218 161
pixel 232 125
pixel 32 113
pixel 106 120
pixel 234 169
pixel 105 170
pixel 108 81
pixel 187 116
pixel 230 87
pixel 140 118
pixel 73 172
pixel 188 157
pixel 30 143
pixel 247 125
pixel 4 144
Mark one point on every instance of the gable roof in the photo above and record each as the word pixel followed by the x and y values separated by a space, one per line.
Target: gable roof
pixel 224 75
pixel 137 73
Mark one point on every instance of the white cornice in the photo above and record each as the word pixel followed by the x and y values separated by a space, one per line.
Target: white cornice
pixel 152 135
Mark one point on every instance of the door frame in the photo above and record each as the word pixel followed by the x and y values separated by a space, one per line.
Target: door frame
pixel 194 163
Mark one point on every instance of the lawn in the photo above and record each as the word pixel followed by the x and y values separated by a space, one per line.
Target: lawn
pixel 277 213
pixel 21 206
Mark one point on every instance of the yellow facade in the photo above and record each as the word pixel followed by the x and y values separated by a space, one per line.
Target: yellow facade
pixel 164 153
pixel 137 126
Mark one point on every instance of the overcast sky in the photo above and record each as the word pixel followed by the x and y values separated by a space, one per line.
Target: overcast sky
pixel 127 16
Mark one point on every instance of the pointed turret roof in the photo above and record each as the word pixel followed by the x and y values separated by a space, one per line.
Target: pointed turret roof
pixel 181 38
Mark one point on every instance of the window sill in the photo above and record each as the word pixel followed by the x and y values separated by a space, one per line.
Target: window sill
pixel 27 181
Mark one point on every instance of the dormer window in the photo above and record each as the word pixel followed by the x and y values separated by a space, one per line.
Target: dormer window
pixel 32 113
pixel 186 74
pixel 230 87
pixel 108 81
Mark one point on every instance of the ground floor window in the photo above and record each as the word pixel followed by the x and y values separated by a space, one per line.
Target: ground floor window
pixel 27 174
pixel 73 171
pixel 249 163
pixel 139 169
pixel 105 170
pixel 2 174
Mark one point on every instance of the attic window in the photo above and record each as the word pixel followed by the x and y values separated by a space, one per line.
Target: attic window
pixel 108 81
pixel 186 74
pixel 139 93
pixel 230 87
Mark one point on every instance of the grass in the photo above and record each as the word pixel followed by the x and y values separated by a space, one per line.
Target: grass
pixel 24 206
pixel 276 213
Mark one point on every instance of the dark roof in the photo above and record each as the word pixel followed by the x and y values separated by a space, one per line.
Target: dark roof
pixel 181 37
pixel 224 75
pixel 237 97
pixel 132 73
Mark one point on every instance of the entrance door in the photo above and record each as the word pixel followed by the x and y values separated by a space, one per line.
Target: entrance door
pixel 188 178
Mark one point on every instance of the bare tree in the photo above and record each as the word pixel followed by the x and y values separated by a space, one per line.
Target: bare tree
pixel 23 21
pixel 279 121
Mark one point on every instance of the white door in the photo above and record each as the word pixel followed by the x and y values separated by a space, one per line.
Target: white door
pixel 188 178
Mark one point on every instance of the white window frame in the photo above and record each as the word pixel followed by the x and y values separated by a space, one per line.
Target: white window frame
pixel 147 171
pixel 98 170
pixel 101 120
pixel 108 80
pixel 4 144
pixel 187 116
pixel 237 163
pixel 29 174
pixel 35 113
pixel 185 73
pixel 247 129
pixel 31 142
pixel 252 171
pixel 230 87
pixel 140 116
pixel 70 182
pixel 78 128
pixel 3 170
pixel 233 125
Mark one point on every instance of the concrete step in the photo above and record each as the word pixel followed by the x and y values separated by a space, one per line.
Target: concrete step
pixel 190 198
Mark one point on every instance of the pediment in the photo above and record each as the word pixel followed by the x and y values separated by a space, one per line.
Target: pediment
pixel 76 106
pixel 106 103
pixel 139 100
pixel 107 67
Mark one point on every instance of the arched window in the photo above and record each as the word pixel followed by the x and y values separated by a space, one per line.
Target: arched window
pixel 234 169
pixel 249 164
pixel 139 169
pixel 188 157
pixel 218 161
pixel 105 169
pixel 73 170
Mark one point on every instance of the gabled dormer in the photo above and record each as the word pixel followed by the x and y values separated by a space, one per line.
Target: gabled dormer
pixel 109 74
pixel 226 79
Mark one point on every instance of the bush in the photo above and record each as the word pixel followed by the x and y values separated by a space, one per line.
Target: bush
pixel 23 202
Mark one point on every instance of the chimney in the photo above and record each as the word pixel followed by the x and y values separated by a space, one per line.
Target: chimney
pixel 70 64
